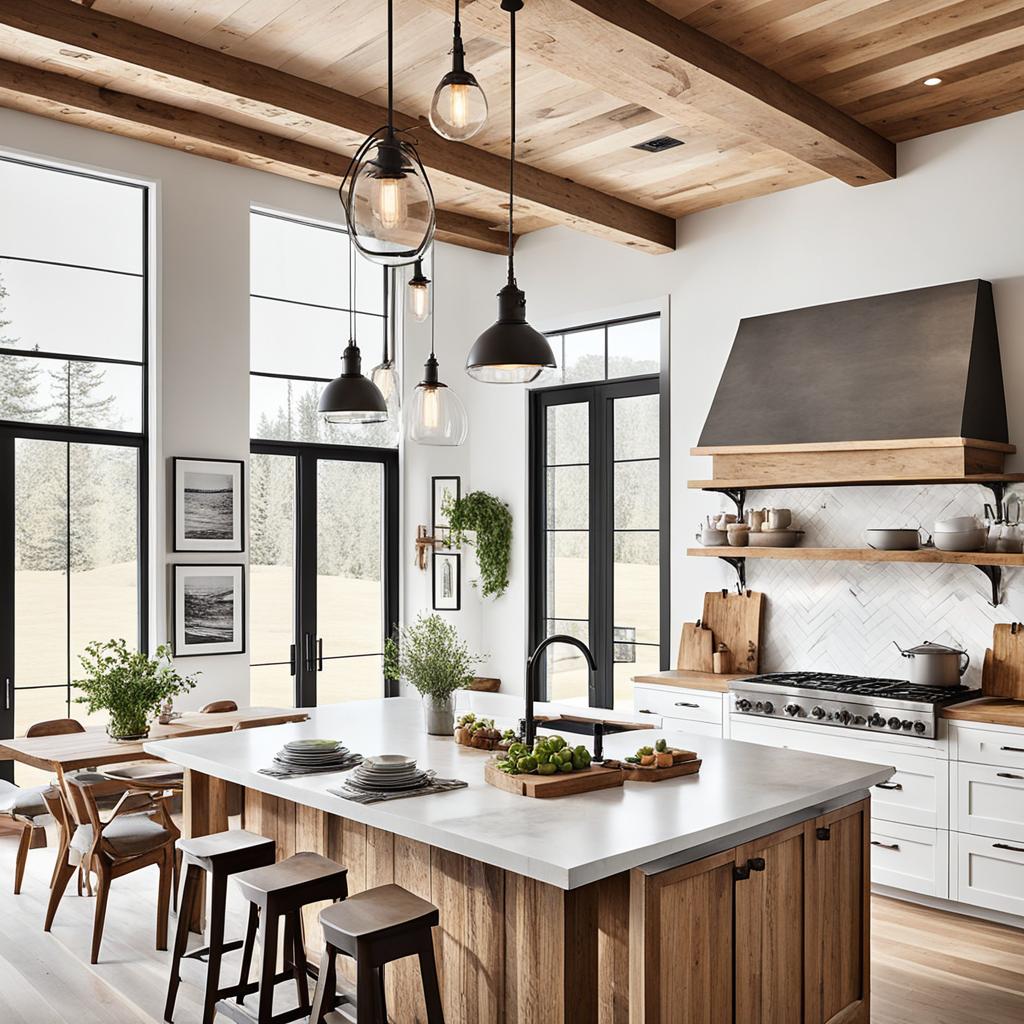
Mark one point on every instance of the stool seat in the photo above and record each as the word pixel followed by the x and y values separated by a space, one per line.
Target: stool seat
pixel 209 850
pixel 377 913
pixel 295 873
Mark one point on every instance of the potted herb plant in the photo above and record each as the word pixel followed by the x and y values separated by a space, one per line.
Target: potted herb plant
pixel 431 656
pixel 129 685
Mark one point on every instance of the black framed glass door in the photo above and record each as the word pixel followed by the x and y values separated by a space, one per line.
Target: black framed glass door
pixel 323 571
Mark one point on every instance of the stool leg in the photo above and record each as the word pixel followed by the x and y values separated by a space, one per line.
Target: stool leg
pixel 382 995
pixel 325 996
pixel 268 964
pixel 428 976
pixel 188 895
pixel 299 960
pixel 250 941
pixel 368 1010
pixel 218 908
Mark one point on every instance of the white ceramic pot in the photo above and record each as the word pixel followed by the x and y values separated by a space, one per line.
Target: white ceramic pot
pixel 439 716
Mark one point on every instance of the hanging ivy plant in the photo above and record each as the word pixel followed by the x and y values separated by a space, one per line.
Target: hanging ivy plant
pixel 490 519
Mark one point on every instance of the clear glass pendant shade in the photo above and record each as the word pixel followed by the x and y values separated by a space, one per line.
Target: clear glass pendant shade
pixel 388 201
pixel 459 107
pixel 436 414
pixel 385 376
pixel 419 294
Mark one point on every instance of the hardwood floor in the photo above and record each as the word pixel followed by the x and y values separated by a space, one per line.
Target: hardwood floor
pixel 928 967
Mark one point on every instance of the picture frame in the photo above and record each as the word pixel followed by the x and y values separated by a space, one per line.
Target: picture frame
pixel 209 504
pixel 440 488
pixel 209 609
pixel 446 581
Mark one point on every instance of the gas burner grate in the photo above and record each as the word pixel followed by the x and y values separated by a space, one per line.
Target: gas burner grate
pixel 862 686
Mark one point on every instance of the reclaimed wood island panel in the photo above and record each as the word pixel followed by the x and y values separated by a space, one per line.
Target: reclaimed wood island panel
pixel 569 910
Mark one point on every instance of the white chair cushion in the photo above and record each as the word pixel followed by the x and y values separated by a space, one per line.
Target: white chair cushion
pixel 27 803
pixel 129 835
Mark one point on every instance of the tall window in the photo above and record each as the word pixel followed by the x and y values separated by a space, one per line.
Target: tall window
pixel 597 510
pixel 324 498
pixel 73 346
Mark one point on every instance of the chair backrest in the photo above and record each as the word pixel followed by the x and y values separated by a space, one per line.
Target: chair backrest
pixel 217 707
pixel 55 727
pixel 257 723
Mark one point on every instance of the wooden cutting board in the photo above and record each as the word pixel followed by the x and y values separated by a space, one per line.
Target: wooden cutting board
pixel 542 786
pixel 696 648
pixel 736 619
pixel 639 773
pixel 1005 675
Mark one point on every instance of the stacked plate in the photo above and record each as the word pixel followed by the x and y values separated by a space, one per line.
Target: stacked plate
pixel 387 772
pixel 313 756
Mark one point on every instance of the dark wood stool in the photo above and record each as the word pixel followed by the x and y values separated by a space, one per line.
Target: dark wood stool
pixel 376 927
pixel 281 890
pixel 220 856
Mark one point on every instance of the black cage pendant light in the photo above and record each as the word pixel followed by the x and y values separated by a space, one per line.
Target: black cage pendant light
pixel 510 351
pixel 351 398
pixel 459 108
pixel 389 205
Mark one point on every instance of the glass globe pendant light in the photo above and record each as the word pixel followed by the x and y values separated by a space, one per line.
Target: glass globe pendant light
pixel 510 351
pixel 388 202
pixel 436 414
pixel 419 294
pixel 459 107
pixel 351 398
pixel 385 373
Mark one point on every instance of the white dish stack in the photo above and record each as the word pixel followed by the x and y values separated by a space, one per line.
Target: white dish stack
pixel 387 772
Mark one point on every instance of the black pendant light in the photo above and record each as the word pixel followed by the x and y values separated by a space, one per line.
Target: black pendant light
pixel 459 107
pixel 351 398
pixel 510 351
pixel 389 205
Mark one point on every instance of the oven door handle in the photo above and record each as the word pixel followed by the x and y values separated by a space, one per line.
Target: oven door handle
pixel 889 785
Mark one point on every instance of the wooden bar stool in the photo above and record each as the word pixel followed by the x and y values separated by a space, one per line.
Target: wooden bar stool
pixel 376 927
pixel 281 890
pixel 220 856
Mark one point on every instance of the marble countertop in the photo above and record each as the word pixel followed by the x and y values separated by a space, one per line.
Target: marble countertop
pixel 566 841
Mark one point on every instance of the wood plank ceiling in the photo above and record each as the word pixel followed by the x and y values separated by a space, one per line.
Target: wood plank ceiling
pixel 765 94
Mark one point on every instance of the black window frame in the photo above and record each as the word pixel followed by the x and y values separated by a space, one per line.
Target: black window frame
pixel 11 431
pixel 600 396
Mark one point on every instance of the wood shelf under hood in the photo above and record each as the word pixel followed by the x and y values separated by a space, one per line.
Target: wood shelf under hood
pixel 921 555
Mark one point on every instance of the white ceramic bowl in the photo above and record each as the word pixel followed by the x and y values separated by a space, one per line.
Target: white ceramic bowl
pixel 776 539
pixel 961 540
pixel 957 525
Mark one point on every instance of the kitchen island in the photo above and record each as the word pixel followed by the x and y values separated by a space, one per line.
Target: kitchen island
pixel 739 890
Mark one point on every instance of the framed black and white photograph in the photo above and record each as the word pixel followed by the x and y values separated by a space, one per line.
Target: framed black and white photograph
pixel 447 581
pixel 209 504
pixel 209 609
pixel 442 488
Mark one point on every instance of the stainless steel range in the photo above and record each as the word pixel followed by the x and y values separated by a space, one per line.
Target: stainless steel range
pixel 850 702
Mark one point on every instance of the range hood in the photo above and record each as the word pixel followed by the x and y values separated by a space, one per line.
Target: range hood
pixel 914 377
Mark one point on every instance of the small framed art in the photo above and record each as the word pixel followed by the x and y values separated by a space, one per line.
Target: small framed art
pixel 441 489
pixel 447 581
pixel 209 609
pixel 209 504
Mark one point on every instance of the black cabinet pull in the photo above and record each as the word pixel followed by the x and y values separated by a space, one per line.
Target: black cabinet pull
pixel 686 704
pixel 320 654
pixel 1007 846
pixel 644 711
pixel 889 785
pixel 741 873
pixel 1008 775
pixel 1014 750
pixel 885 846
pixel 291 659
pixel 756 863
pixel 824 833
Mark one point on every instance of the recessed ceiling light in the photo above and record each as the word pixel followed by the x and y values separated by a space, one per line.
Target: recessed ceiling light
pixel 659 144
pixel 932 81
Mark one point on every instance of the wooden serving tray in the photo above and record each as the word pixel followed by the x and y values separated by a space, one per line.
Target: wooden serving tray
pixel 592 778
pixel 640 773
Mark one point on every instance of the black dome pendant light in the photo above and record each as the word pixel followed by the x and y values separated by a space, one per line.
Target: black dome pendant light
pixel 510 351
pixel 389 205
pixel 351 398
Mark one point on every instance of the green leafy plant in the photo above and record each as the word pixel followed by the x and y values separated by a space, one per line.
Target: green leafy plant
pixel 490 519
pixel 128 684
pixel 431 656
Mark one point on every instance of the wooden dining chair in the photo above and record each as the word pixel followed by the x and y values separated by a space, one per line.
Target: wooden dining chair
pixel 218 707
pixel 138 832
pixel 55 727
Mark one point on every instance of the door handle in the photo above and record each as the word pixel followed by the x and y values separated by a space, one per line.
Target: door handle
pixel 740 873
pixel 824 833
pixel 756 863
pixel 885 846
pixel 1014 750
pixel 291 659
pixel 1008 775
pixel 686 704
pixel 319 654
pixel 7 695
pixel 644 711
pixel 889 785
pixel 308 652
pixel 1007 846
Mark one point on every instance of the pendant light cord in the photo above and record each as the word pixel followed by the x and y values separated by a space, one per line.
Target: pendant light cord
pixel 512 155
pixel 433 303
pixel 351 288
pixel 391 61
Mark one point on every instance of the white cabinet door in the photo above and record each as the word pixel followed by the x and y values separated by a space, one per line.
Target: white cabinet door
pixel 988 872
pixel 980 745
pixel 693 705
pixel 908 857
pixel 988 800
pixel 670 725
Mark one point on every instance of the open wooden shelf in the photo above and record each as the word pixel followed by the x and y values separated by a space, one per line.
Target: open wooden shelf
pixel 986 479
pixel 927 555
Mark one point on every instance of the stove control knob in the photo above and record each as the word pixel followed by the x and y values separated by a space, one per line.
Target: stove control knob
pixel 858 719
pixel 817 712
pixel 907 725
pixel 792 710
pixel 894 723
pixel 743 704
pixel 876 720
pixel 919 727
pixel 844 717
pixel 769 708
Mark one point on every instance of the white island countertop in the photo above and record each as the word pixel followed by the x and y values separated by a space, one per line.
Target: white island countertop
pixel 565 841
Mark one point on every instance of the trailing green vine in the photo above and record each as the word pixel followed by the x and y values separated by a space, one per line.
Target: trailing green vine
pixel 490 519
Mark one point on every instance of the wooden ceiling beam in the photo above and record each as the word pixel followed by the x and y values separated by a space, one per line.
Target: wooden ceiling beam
pixel 78 102
pixel 277 93
pixel 642 54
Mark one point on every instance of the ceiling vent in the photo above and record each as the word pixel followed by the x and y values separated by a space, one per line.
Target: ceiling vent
pixel 658 145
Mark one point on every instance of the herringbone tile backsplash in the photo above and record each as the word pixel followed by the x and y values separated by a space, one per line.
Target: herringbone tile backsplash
pixel 844 616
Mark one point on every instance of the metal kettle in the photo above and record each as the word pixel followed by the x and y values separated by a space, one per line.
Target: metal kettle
pixel 934 664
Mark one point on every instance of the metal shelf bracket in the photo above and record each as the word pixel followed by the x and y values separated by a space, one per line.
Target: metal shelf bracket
pixel 740 565
pixel 995 577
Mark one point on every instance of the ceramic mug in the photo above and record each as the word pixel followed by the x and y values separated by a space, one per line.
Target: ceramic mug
pixel 779 518
pixel 757 518
pixel 739 534
pixel 723 520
